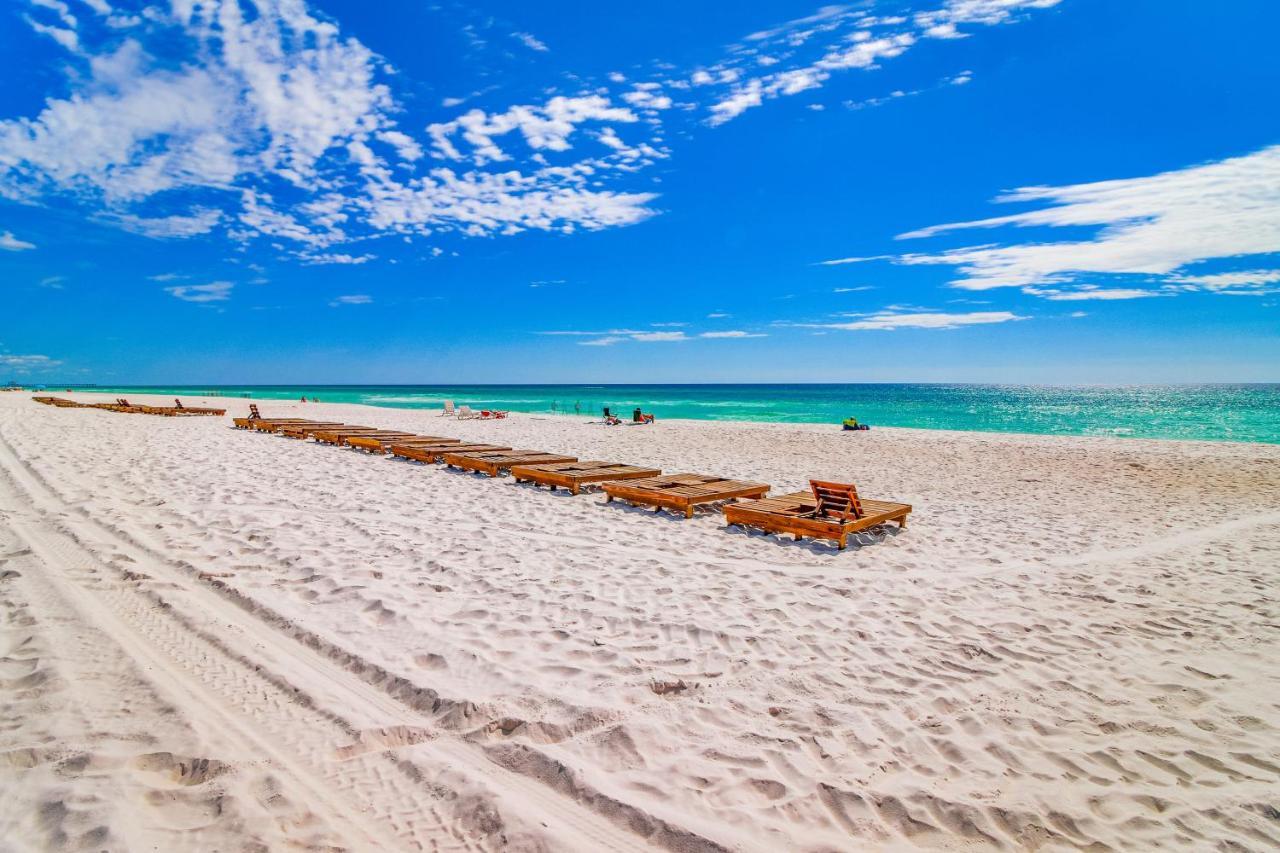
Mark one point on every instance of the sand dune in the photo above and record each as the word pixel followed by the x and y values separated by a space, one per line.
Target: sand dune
pixel 219 639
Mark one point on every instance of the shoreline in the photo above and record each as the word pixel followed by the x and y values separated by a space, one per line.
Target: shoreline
pixel 234 405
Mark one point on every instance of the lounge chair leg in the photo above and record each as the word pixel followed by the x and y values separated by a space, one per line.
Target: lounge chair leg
pixel 608 499
pixel 799 538
pixel 842 542
pixel 575 490
pixel 688 512
pixel 902 523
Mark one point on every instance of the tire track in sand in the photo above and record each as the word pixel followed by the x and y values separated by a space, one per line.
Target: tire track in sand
pixel 234 672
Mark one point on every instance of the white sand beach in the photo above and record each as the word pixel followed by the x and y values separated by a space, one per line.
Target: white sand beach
pixel 219 639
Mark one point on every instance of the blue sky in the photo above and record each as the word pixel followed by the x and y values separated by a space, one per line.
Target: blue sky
pixel 204 191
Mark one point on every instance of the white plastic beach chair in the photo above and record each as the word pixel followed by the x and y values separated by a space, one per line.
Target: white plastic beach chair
pixel 467 413
pixel 448 408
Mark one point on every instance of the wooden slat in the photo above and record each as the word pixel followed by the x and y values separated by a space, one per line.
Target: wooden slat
pixel 574 475
pixel 383 444
pixel 432 453
pixel 305 431
pixel 494 462
pixel 682 491
pixel 339 436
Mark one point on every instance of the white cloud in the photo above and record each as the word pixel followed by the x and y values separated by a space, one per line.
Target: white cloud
pixel 889 320
pixel 985 12
pixel 217 291
pixel 282 127
pixel 1150 226
pixel 337 259
pixel 617 336
pixel 873 40
pixel 1091 292
pixel 10 243
pixel 351 299
pixel 54 281
pixel 1219 282
pixel 406 146
pixel 530 41
pixel 199 222
pixel 27 363
pixel 718 315
pixel 543 127
pixel 741 100
pixel 857 289
pixel 659 337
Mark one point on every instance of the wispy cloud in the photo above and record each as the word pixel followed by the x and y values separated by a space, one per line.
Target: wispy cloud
pixel 27 363
pixel 1149 226
pixel 10 243
pixel 530 41
pixel 804 54
pixel 352 299
pixel 1087 292
pixel 337 258
pixel 659 337
pixel 890 320
pixel 617 336
pixel 54 281
pixel 217 291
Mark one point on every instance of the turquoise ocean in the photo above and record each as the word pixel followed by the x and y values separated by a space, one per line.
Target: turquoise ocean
pixel 1204 412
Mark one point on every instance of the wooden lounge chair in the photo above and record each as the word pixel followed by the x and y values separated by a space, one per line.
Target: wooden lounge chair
pixel 682 491
pixel 829 511
pixel 574 475
pixel 196 410
pixel 305 431
pixel 382 444
pixel 269 425
pixel 434 452
pixel 266 424
pixel 494 462
pixel 300 431
pixel 340 435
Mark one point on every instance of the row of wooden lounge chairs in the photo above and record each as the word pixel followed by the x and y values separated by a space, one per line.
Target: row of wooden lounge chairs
pixel 122 405
pixel 829 510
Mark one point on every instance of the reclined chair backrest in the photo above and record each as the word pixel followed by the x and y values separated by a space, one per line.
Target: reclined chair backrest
pixel 836 499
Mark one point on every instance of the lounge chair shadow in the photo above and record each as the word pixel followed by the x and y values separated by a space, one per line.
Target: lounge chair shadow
pixel 857 541
pixel 663 513
pixel 560 492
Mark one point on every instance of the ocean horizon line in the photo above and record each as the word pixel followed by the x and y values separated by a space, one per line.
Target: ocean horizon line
pixel 1242 412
